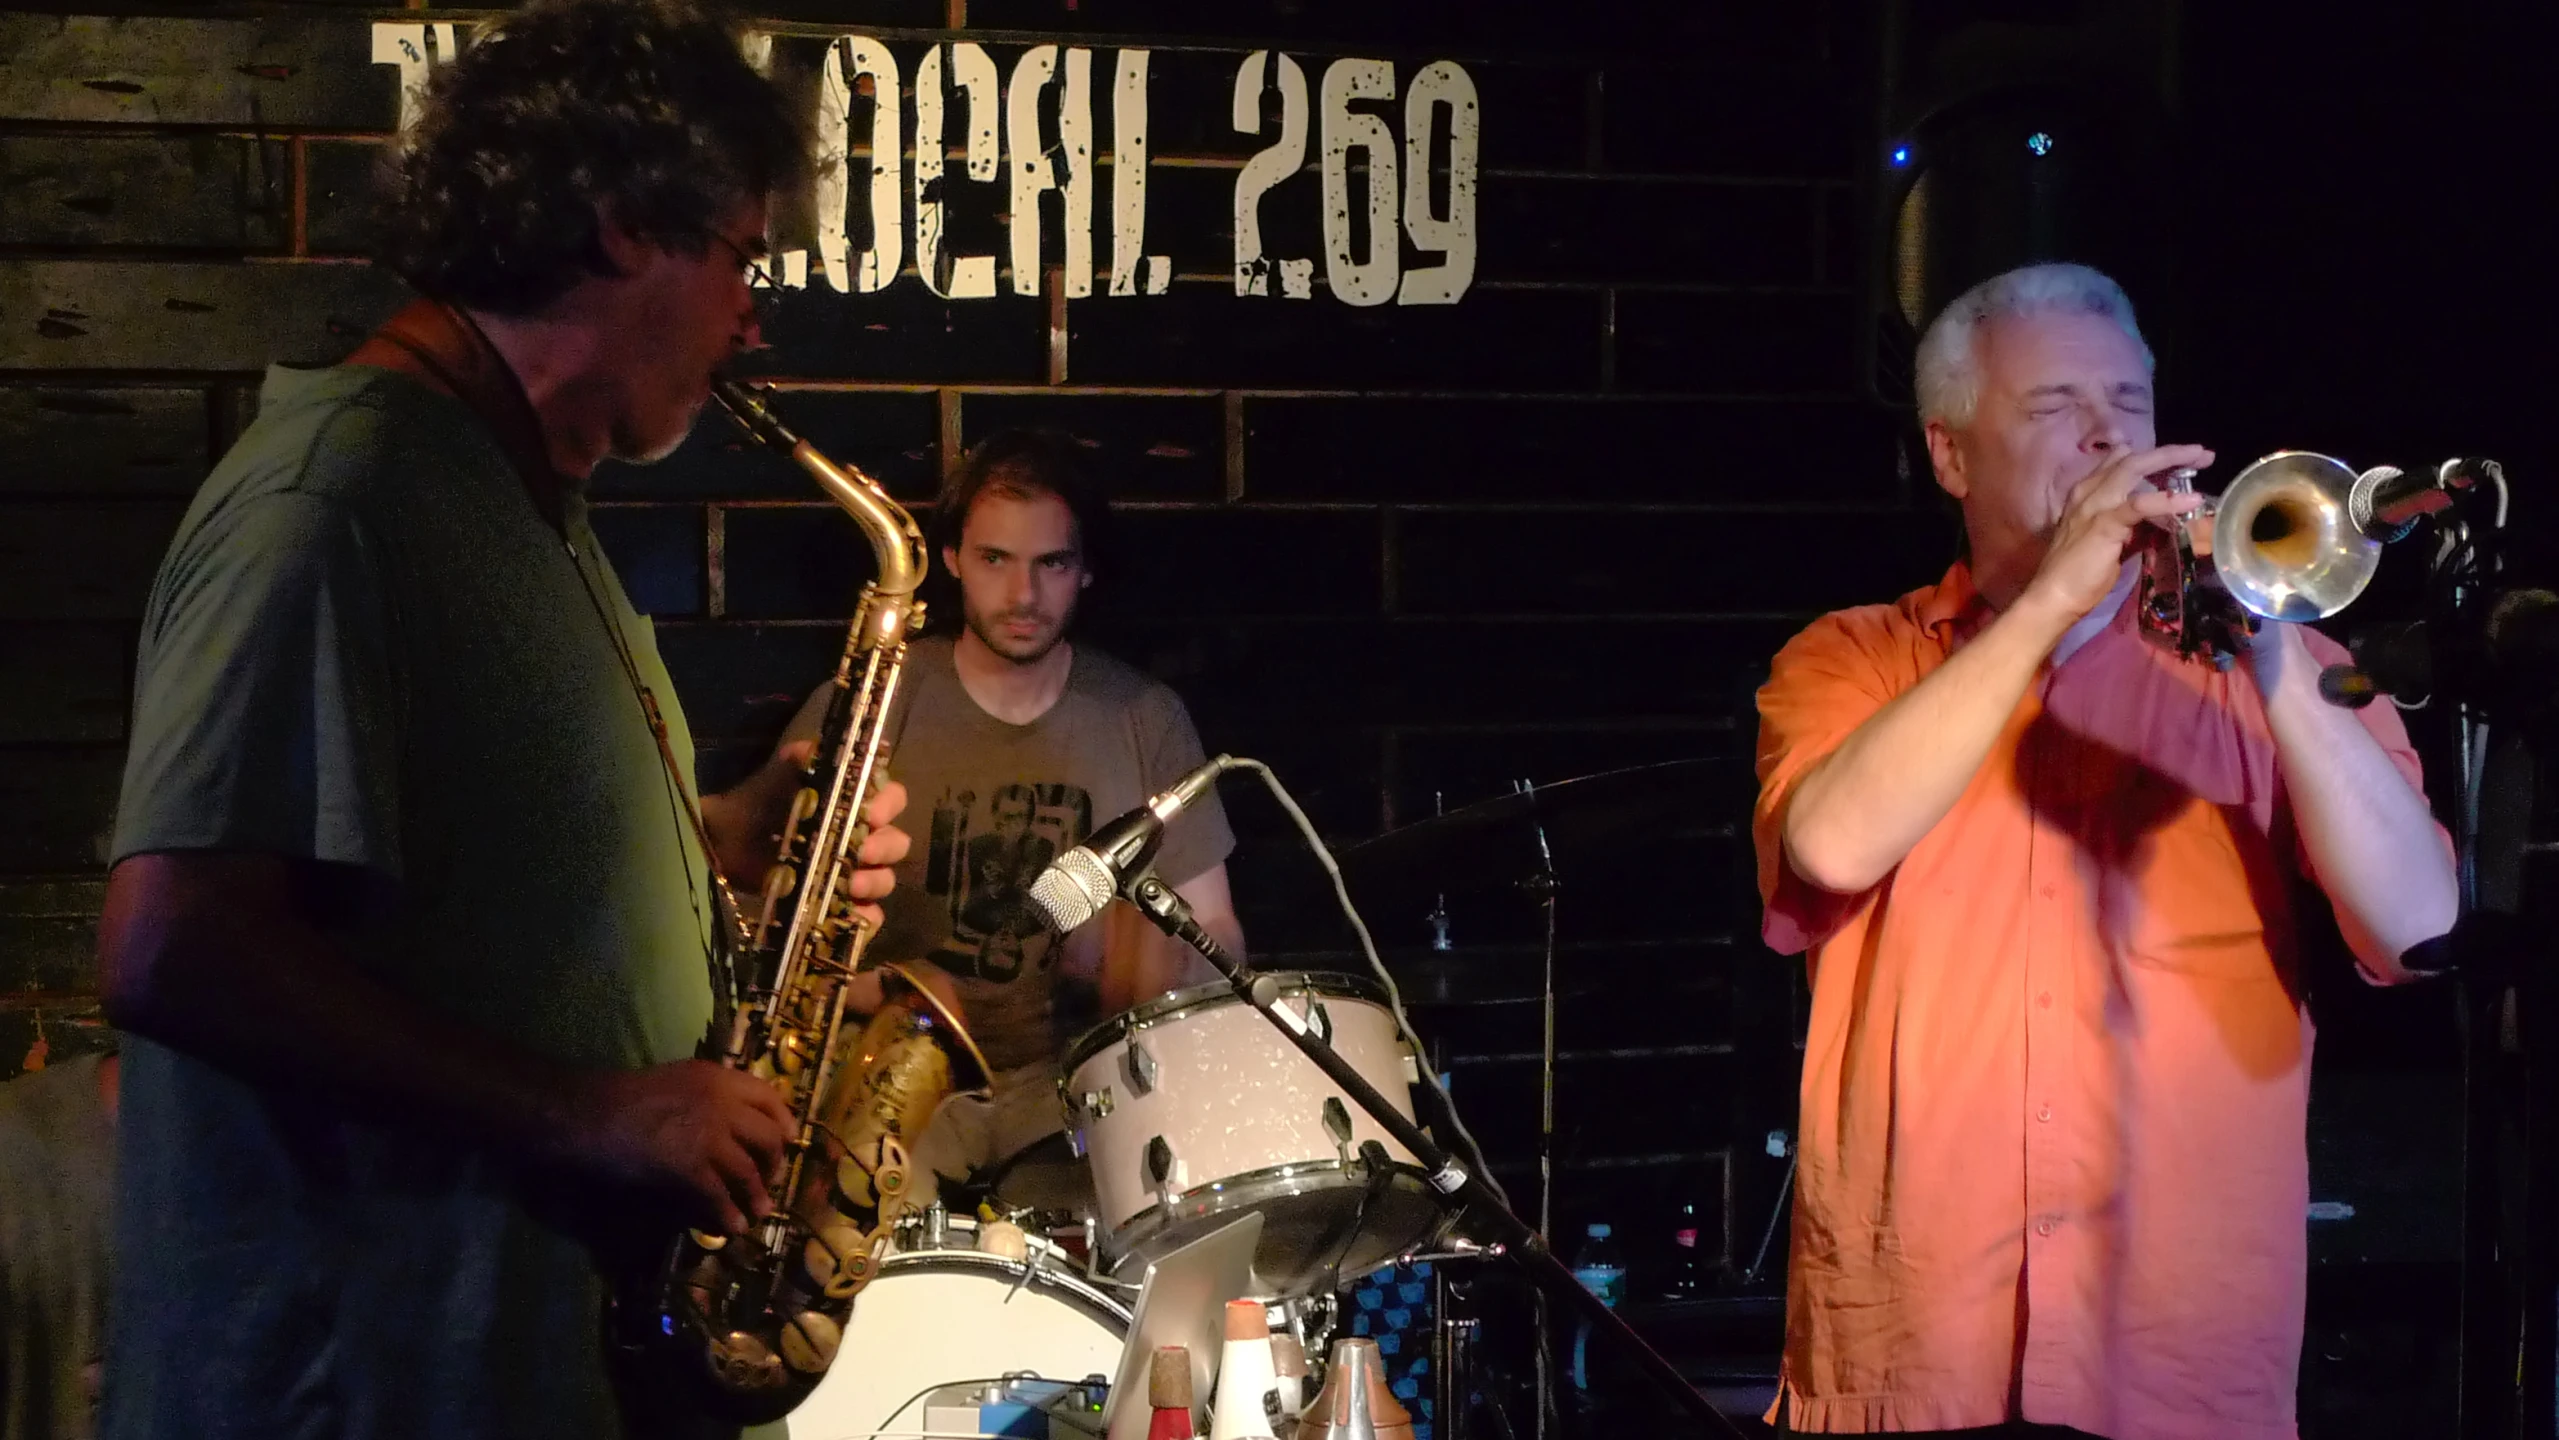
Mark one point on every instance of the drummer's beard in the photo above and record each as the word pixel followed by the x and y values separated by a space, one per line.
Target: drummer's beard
pixel 1022 634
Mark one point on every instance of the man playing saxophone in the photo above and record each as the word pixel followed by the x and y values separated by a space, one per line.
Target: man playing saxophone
pixel 414 920
pixel 2053 1169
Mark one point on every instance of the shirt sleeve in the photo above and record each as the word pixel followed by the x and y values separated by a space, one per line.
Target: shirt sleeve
pixel 1169 748
pixel 1822 686
pixel 265 711
pixel 2381 720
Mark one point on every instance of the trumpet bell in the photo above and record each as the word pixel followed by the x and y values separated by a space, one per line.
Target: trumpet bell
pixel 2284 543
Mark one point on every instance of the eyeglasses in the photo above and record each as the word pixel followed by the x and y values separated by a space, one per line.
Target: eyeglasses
pixel 757 277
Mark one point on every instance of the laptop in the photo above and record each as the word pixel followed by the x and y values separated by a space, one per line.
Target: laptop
pixel 1183 1302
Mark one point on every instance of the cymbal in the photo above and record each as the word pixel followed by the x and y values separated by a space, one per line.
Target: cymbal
pixel 1496 841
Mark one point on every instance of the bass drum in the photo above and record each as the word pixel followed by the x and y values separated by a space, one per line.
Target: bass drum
pixel 958 1318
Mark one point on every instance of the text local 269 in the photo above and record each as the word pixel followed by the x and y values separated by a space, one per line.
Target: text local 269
pixel 958 113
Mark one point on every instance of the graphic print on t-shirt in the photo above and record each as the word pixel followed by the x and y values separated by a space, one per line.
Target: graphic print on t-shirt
pixel 987 848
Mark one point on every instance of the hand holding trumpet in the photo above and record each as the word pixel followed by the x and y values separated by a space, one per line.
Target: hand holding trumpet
pixel 2086 555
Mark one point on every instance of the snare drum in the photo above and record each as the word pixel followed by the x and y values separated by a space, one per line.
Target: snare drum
pixel 1193 1109
pixel 957 1318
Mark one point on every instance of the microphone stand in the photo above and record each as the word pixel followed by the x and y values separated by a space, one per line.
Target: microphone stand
pixel 1460 1192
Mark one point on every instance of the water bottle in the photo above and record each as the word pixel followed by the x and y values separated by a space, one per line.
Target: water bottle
pixel 1602 1272
pixel 1599 1266
pixel 1686 1279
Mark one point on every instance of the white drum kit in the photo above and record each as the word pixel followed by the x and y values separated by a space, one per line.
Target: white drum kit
pixel 1191 1111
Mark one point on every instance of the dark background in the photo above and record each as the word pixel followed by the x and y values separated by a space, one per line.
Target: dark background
pixel 1408 556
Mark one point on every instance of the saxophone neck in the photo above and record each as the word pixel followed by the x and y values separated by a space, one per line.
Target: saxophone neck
pixel 897 546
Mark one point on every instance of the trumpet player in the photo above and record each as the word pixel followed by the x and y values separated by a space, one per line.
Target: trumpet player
pixel 412 921
pixel 2053 1167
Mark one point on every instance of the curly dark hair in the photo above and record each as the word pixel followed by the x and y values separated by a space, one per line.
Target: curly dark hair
pixel 567 112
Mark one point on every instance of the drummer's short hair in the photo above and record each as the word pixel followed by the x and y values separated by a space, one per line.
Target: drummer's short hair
pixel 1026 463
pixel 1949 360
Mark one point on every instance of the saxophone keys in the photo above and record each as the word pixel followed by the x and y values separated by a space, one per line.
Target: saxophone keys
pixel 742 1362
pixel 888 1172
pixel 809 1342
pixel 840 1259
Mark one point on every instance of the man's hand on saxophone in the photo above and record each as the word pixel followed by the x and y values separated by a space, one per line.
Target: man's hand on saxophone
pixel 238 957
pixel 745 820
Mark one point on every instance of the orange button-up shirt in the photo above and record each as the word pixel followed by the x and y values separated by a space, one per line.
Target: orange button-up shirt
pixel 2054 1089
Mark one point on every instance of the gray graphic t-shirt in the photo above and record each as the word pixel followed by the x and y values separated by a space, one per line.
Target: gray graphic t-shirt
pixel 990 804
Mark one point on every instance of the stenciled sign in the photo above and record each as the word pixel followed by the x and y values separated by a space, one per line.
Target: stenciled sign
pixel 950 109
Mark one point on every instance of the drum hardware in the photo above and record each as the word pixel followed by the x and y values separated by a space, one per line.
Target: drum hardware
pixel 1543 885
pixel 1778 1143
pixel 1141 1066
pixel 1458 1190
pixel 1376 1172
pixel 1320 1018
pixel 1168 1173
pixel 1337 1123
pixel 1437 919
pixel 1511 839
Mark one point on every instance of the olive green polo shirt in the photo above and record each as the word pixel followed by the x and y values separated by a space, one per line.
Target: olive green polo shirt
pixel 366 647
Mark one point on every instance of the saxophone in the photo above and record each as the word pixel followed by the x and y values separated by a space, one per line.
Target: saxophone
pixel 763 1314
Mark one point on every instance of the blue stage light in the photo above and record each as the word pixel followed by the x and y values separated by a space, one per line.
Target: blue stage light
pixel 2040 143
pixel 1901 155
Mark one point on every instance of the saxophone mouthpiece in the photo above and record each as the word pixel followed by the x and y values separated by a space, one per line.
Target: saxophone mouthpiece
pixel 747 406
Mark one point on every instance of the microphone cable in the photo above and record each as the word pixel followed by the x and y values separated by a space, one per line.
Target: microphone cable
pixel 1468 1148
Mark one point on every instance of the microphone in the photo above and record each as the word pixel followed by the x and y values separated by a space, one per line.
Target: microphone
pixel 1080 882
pixel 2387 502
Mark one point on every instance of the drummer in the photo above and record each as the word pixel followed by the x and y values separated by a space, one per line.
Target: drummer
pixel 1015 742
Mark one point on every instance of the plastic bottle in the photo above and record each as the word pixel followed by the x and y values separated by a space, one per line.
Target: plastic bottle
pixel 1686 1277
pixel 1602 1271
pixel 1599 1265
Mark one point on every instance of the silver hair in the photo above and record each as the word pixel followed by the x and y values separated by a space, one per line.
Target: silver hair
pixel 1949 362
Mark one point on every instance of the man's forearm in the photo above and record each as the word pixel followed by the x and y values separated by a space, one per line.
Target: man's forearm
pixel 213 962
pixel 2371 840
pixel 1857 813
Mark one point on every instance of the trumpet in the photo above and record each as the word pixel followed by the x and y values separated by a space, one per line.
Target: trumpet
pixel 2288 539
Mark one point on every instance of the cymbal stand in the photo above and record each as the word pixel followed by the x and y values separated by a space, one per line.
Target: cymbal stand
pixel 1463 1194
pixel 1541 888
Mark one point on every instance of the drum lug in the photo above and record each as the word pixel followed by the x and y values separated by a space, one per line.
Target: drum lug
pixel 1337 1123
pixel 1320 1020
pixel 1141 1067
pixel 1167 1172
pixel 1081 1111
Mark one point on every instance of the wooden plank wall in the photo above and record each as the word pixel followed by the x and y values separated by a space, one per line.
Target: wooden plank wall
pixel 1408 555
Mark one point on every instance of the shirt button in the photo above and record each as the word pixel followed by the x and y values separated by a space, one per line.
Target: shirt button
pixel 2044 1001
pixel 2047 892
pixel 2043 1227
pixel 2045 1114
